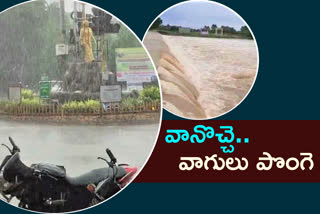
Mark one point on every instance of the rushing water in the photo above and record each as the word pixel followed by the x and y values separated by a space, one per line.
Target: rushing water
pixel 77 146
pixel 221 70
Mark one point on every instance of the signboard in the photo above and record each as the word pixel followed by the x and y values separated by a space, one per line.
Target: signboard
pixel 15 94
pixel 110 93
pixel 105 75
pixel 44 78
pixel 45 88
pixel 61 49
pixel 134 67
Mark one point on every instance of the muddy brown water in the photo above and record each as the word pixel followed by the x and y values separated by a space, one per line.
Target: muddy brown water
pixel 220 71
pixel 178 93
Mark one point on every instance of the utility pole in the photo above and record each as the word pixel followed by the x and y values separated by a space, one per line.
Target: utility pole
pixel 83 12
pixel 62 58
pixel 62 21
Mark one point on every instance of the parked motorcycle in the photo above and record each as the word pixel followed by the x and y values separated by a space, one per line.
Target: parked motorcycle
pixel 47 187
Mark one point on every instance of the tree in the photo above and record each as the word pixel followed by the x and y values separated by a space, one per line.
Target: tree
pixel 213 27
pixel 156 24
pixel 29 34
pixel 22 38
pixel 123 39
pixel 246 32
pixel 227 29
pixel 174 28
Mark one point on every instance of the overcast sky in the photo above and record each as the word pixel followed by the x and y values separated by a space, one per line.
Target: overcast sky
pixel 69 7
pixel 196 14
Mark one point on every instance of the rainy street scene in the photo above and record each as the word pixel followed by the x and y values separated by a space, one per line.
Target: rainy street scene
pixel 77 147
pixel 80 106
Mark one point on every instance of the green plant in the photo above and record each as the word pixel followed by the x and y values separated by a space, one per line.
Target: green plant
pixel 27 94
pixel 130 102
pixel 93 105
pixel 7 104
pixel 82 106
pixel 150 94
pixel 35 102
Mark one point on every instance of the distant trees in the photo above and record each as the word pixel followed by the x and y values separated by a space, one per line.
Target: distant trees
pixel 174 28
pixel 28 36
pixel 227 29
pixel 169 27
pixel 123 39
pixel 244 30
pixel 156 24
pixel 213 27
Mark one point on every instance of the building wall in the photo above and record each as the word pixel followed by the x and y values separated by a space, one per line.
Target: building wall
pixel 204 32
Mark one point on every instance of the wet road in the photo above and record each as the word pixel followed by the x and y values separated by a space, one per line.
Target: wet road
pixel 77 146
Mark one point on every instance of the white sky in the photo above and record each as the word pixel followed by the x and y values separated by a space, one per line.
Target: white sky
pixel 68 5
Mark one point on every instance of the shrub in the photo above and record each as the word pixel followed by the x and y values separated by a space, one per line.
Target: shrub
pixel 27 94
pixel 134 94
pixel 149 94
pixel 35 102
pixel 82 106
pixel 92 105
pixel 7 104
pixel 130 102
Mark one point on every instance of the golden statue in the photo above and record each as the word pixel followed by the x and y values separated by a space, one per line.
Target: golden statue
pixel 86 37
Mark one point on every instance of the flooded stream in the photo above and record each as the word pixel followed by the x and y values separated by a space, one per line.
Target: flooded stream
pixel 203 77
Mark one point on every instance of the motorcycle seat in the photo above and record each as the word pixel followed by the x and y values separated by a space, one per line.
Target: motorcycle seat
pixel 51 169
pixel 95 176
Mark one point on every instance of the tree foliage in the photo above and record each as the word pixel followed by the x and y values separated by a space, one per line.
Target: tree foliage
pixel 227 29
pixel 213 27
pixel 156 24
pixel 123 39
pixel 245 31
pixel 150 94
pixel 28 36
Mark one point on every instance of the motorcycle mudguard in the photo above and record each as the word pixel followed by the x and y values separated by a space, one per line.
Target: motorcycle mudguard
pixel 107 188
pixel 15 170
pixel 5 160
pixel 131 171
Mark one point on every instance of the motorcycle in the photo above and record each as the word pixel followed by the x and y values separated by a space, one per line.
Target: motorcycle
pixel 47 187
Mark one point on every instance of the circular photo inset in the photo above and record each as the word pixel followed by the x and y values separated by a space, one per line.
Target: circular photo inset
pixel 80 106
pixel 206 57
